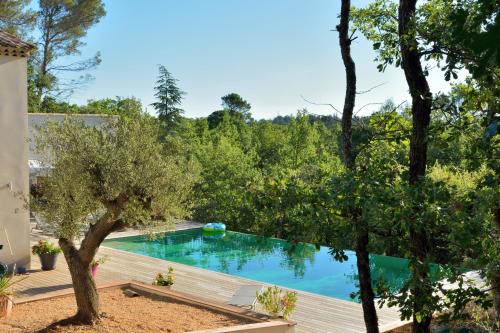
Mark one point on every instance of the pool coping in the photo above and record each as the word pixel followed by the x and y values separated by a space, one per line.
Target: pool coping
pixel 178 225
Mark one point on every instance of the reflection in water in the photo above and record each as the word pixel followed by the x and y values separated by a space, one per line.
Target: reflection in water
pixel 300 266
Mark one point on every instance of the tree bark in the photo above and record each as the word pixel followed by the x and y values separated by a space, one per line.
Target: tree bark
pixel 87 298
pixel 362 233
pixel 495 280
pixel 421 111
pixel 365 282
pixel 79 260
pixel 419 89
pixel 350 91
pixel 42 72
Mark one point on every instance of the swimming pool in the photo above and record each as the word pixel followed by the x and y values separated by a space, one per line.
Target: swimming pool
pixel 302 266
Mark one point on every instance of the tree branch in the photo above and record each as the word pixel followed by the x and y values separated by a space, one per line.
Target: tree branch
pixel 370 89
pixel 98 231
pixel 322 104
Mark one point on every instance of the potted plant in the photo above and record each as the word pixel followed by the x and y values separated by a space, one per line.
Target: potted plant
pixel 94 265
pixel 6 294
pixel 166 280
pixel 277 302
pixel 47 252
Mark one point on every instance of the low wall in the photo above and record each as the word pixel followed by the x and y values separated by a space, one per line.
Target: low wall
pixel 262 323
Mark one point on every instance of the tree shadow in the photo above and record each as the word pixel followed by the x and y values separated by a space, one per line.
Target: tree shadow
pixel 71 321
pixel 42 290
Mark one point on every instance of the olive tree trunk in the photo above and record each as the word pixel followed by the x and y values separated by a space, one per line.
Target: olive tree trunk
pixel 87 298
pixel 362 233
pixel 79 260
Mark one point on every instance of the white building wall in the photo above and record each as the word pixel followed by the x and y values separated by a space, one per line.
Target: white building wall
pixel 14 174
pixel 40 119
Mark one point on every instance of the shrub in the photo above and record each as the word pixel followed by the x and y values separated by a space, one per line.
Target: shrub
pixel 164 280
pixel 45 247
pixel 6 284
pixel 277 301
pixel 100 261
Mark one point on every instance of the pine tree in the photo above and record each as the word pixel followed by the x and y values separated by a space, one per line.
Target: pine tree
pixel 169 97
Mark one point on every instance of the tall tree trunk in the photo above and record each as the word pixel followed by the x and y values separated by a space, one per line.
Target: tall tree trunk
pixel 87 298
pixel 421 111
pixel 495 280
pixel 365 281
pixel 362 236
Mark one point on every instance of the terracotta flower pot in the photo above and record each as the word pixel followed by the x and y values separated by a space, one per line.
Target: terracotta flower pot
pixel 164 287
pixel 93 270
pixel 5 306
pixel 48 261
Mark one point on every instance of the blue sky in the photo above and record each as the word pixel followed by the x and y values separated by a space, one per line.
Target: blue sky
pixel 271 52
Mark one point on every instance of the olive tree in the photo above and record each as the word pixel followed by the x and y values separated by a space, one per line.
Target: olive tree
pixel 102 179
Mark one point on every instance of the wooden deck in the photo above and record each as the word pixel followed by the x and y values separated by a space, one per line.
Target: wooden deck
pixel 314 313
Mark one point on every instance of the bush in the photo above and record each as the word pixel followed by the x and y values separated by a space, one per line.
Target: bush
pixel 45 247
pixel 6 283
pixel 100 261
pixel 277 301
pixel 167 280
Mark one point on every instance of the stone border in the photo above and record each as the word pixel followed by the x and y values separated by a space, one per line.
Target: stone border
pixel 263 323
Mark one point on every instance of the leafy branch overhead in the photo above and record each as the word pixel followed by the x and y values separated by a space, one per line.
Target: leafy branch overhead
pixel 456 35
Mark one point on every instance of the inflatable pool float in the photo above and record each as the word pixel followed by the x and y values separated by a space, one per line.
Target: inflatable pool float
pixel 214 227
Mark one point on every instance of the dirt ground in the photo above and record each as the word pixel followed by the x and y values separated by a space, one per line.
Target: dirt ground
pixel 120 314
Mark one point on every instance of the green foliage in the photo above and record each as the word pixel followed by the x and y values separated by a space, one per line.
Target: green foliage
pixel 455 34
pixel 226 173
pixel 169 97
pixel 477 320
pixel 378 22
pixel 99 261
pixel 119 166
pixel 52 105
pixel 119 106
pixel 277 302
pixel 168 280
pixel 6 284
pixel 16 17
pixel 62 24
pixel 262 177
pixel 45 247
pixel 235 104
pixel 456 213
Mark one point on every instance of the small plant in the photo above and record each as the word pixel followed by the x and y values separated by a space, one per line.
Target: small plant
pixel 97 262
pixel 45 247
pixel 6 284
pixel 94 265
pixel 277 302
pixel 6 294
pixel 477 319
pixel 164 280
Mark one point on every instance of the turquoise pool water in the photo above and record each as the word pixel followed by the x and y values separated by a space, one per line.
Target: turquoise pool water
pixel 302 266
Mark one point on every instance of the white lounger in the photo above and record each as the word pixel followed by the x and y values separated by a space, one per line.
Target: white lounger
pixel 245 296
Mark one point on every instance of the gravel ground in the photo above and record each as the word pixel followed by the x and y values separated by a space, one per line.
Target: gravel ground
pixel 120 314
